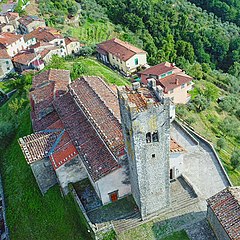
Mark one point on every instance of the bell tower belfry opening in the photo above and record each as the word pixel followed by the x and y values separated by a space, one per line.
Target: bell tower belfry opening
pixel 145 119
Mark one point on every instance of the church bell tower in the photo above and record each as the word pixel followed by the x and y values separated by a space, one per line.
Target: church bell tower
pixel 145 117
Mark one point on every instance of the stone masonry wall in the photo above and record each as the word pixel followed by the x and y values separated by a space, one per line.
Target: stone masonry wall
pixel 148 162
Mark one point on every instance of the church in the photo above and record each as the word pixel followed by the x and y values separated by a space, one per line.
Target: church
pixel 118 138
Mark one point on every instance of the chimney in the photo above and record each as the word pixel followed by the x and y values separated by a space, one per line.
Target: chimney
pixel 135 85
pixel 177 81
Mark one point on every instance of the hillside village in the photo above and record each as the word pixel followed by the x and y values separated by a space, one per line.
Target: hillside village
pixel 120 151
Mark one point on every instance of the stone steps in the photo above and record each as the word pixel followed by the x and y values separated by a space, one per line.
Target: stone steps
pixel 135 221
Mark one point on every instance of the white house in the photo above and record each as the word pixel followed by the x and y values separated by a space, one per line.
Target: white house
pixel 122 55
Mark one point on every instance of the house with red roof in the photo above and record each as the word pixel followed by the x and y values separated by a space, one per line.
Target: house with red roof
pixel 13 43
pixel 6 65
pixel 27 60
pixel 48 35
pixel 175 83
pixel 122 55
pixel 223 213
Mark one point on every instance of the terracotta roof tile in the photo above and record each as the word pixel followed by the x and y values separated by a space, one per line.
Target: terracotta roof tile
pixel 63 155
pixel 24 58
pixel 37 146
pixel 12 15
pixel 41 44
pixel 26 20
pixel 4 54
pixel 9 38
pixel 60 77
pixel 43 123
pixel 141 97
pixel 100 104
pixel 45 34
pixel 160 69
pixel 120 49
pixel 96 157
pixel 226 206
pixel 175 147
pixel 69 40
pixel 173 81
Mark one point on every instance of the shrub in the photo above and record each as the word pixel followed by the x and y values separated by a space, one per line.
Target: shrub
pixel 221 143
pixel 235 159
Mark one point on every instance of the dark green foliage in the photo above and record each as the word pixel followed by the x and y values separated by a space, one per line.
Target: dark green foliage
pixel 177 29
pixel 227 10
pixel 221 143
pixel 57 10
pixel 230 126
pixel 86 51
pixel 7 130
pixel 235 159
pixel 56 63
pixel 77 70
pixel 230 103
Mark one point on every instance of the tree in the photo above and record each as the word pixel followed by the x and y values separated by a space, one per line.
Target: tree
pixel 77 70
pixel 229 126
pixel 230 103
pixel 56 62
pixel 200 102
pixel 221 143
pixel 86 51
pixel 235 69
pixel 235 159
pixel 211 92
pixel 185 49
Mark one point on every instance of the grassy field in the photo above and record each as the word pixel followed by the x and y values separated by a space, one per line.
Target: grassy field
pixel 29 214
pixel 93 67
pixel 182 235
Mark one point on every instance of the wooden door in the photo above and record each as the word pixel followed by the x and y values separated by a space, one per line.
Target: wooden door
pixel 114 196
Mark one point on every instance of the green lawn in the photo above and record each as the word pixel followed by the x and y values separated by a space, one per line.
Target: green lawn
pixel 182 235
pixel 95 68
pixel 29 214
pixel 90 67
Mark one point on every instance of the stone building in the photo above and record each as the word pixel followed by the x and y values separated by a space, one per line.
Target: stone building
pixel 146 127
pixel 223 213
pixel 78 134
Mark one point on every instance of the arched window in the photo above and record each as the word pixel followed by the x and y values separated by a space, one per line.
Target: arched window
pixel 148 137
pixel 155 136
